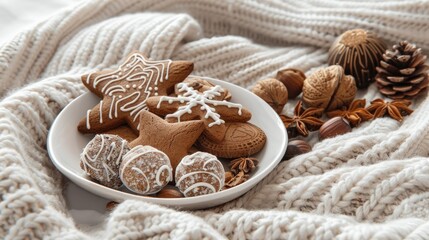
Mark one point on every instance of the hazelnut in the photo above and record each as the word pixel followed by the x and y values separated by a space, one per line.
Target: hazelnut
pixel 329 88
pixel 111 205
pixel 273 92
pixel 359 52
pixel 293 79
pixel 333 127
pixel 169 192
pixel 295 148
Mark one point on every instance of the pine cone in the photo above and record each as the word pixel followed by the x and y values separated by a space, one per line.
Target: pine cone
pixel 402 72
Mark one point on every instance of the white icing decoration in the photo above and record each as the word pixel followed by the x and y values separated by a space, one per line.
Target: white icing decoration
pixel 139 71
pixel 199 172
pixel 88 126
pixel 199 184
pixel 194 98
pixel 112 147
pixel 159 172
pixel 147 188
pixel 101 111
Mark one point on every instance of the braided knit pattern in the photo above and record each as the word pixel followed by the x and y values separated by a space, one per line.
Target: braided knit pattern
pixel 370 183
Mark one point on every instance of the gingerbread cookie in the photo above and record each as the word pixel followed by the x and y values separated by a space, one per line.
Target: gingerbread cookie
pixel 199 174
pixel 241 140
pixel 145 170
pixel 124 132
pixel 203 85
pixel 124 91
pixel 191 104
pixel 102 157
pixel 174 139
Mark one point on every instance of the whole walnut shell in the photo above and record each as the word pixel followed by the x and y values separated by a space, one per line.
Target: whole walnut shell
pixel 273 92
pixel 329 88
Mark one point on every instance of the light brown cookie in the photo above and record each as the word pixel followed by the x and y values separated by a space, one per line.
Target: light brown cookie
pixel 199 174
pixel 102 157
pixel 124 132
pixel 174 139
pixel 241 140
pixel 124 91
pixel 202 85
pixel 145 170
pixel 191 104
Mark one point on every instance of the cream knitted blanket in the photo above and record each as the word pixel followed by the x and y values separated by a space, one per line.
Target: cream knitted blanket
pixel 370 183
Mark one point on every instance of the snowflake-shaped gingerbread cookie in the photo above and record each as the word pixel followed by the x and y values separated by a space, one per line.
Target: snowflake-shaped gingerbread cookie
pixel 191 104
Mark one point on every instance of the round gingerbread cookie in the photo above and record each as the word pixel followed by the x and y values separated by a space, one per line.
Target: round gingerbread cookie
pixel 102 157
pixel 241 139
pixel 145 170
pixel 199 174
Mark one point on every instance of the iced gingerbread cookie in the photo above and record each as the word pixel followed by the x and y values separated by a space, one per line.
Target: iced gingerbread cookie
pixel 174 139
pixel 199 174
pixel 192 104
pixel 145 170
pixel 124 91
pixel 102 157
pixel 241 140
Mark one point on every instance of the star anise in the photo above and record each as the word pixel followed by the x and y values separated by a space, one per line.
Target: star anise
pixel 303 121
pixel 355 113
pixel 395 109
pixel 243 164
pixel 238 179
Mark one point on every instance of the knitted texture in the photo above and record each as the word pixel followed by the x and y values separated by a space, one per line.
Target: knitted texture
pixel 370 183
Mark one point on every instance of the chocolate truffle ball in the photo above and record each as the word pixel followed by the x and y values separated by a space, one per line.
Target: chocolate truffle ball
pixel 102 157
pixel 199 174
pixel 145 170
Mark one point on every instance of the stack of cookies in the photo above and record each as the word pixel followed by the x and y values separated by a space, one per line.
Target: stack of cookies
pixel 156 126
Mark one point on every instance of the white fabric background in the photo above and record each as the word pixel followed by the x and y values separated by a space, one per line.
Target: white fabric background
pixel 18 15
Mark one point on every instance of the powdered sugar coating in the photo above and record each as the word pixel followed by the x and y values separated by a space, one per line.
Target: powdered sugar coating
pixel 145 170
pixel 199 174
pixel 102 157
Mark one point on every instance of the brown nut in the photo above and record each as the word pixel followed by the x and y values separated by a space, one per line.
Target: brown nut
pixel 228 176
pixel 273 92
pixel 359 52
pixel 169 192
pixel 295 148
pixel 293 79
pixel 333 127
pixel 329 88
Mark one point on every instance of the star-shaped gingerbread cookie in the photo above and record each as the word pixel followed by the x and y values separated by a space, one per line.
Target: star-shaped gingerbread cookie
pixel 124 91
pixel 191 104
pixel 174 139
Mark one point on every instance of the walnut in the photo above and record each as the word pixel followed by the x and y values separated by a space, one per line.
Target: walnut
pixel 293 79
pixel 273 92
pixel 329 88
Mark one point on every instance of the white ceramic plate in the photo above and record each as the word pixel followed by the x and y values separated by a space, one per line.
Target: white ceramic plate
pixel 65 144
